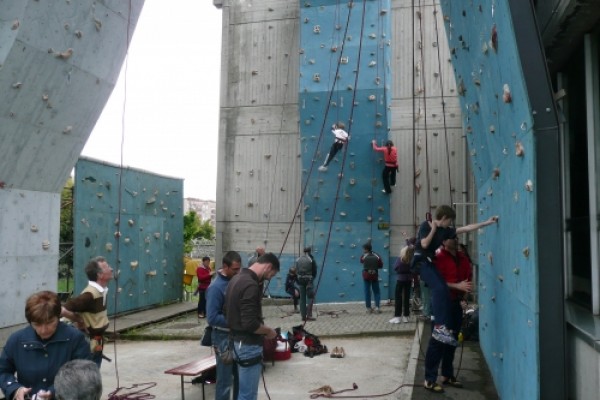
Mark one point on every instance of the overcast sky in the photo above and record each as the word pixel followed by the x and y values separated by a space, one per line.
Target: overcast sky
pixel 172 108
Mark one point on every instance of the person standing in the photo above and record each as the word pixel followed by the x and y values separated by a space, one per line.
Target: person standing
pixel 291 286
pixel 32 356
pixel 403 285
pixel 372 263
pixel 215 300
pixel 243 310
pixel 307 271
pixel 88 310
pixel 390 157
pixel 204 274
pixel 259 251
pixel 456 269
pixel 340 137
pixel 429 238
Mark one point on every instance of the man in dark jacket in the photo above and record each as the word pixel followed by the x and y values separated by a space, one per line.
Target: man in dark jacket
pixel 243 309
pixel 306 267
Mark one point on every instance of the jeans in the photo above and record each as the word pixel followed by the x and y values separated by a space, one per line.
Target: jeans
pixel 402 298
pixel 248 376
pixel 304 311
pixel 389 178
pixel 439 352
pixel 440 295
pixel 97 358
pixel 202 302
pixel 226 374
pixel 375 286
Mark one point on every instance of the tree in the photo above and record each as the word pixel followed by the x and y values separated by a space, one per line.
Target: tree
pixel 207 231
pixel 66 229
pixel 191 227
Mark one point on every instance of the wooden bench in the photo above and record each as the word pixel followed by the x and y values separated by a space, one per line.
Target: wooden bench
pixel 194 368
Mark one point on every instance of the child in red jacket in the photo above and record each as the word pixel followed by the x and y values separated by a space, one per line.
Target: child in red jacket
pixel 203 272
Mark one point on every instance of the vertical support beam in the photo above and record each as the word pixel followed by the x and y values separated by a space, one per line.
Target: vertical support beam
pixel 593 124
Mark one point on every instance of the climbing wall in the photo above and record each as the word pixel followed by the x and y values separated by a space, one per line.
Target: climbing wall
pixel 344 76
pixel 59 62
pixel 498 123
pixel 144 242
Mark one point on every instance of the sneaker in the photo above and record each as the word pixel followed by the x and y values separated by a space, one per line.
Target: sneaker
pixel 442 334
pixel 377 310
pixel 452 382
pixel 395 320
pixel 405 319
pixel 369 311
pixel 433 387
pixel 383 191
pixel 322 168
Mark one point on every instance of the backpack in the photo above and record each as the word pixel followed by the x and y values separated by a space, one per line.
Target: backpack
pixel 304 265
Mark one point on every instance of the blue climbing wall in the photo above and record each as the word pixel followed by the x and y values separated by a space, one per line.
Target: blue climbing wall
pixel 344 76
pixel 149 252
pixel 498 123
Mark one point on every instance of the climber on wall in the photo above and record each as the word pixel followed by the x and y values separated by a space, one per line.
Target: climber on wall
pixel 341 137
pixel 390 156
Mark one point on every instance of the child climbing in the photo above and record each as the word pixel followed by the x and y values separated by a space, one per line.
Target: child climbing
pixel 341 137
pixel 390 156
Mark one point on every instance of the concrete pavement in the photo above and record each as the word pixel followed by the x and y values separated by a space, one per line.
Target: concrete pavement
pixel 383 359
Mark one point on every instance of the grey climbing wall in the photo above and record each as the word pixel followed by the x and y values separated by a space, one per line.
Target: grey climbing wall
pixel 134 219
pixel 59 61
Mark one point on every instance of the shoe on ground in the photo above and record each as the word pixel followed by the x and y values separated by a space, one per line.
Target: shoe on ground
pixel 334 352
pixel 310 319
pixel 377 310
pixel 369 311
pixel 341 353
pixel 452 382
pixel 405 319
pixel 433 387
pixel 442 334
pixel 395 320
pixel 384 192
pixel 322 168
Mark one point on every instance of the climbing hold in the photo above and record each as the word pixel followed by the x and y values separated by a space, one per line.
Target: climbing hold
pixel 529 185
pixel 317 29
pixel 461 89
pixel 372 97
pixel 151 273
pixel 506 96
pixel 130 222
pixel 108 247
pixel 65 54
pixel 490 257
pixel 15 25
pixel 33 228
pixel 516 271
pixel 17 85
pixel 45 245
pixel 372 36
pixel 317 77
pixel 501 278
pixel 526 252
pixel 78 34
pixel 492 129
pixel 373 63
pixel 369 218
pixel 417 187
pixel 496 173
pixel 344 60
pixel 334 49
pixel 519 149
pixel 494 38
